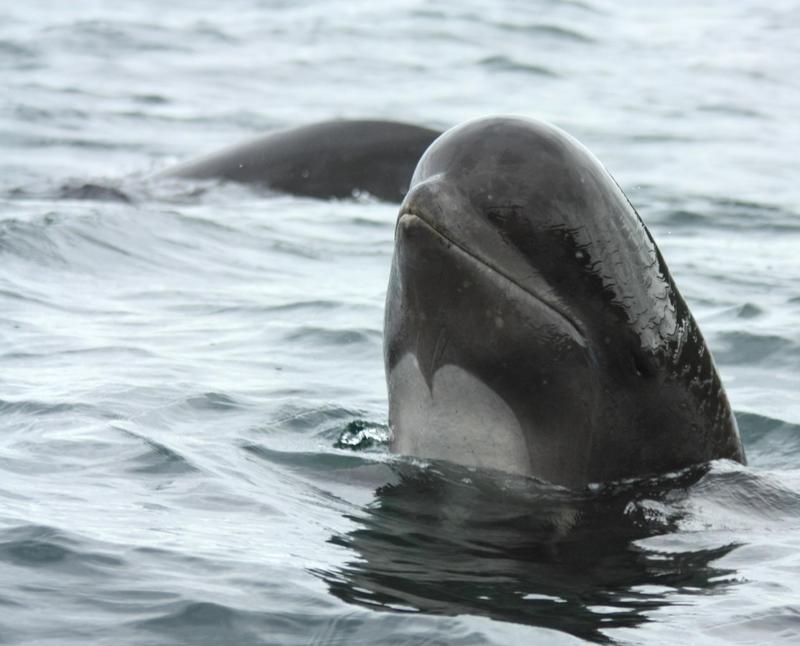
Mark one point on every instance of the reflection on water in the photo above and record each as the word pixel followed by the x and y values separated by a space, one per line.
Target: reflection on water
pixel 448 540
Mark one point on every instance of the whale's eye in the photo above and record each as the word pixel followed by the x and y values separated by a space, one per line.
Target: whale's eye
pixel 583 258
pixel 503 216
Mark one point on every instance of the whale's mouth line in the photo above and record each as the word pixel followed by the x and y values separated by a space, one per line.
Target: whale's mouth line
pixel 575 328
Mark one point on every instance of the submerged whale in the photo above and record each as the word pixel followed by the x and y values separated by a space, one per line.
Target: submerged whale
pixel 331 159
pixel 531 323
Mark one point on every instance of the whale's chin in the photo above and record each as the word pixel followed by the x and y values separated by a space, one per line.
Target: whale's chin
pixel 457 418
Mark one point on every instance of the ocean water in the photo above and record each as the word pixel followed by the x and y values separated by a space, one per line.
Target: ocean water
pixel 192 400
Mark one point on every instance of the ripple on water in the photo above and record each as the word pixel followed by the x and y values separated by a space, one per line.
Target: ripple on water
pixel 92 191
pixel 23 407
pixel 214 401
pixel 555 32
pixel 158 459
pixel 91 36
pixel 201 622
pixel 310 461
pixel 32 546
pixel 748 348
pixel 301 418
pixel 508 64
pixel 333 337
pixel 15 55
pixel 771 443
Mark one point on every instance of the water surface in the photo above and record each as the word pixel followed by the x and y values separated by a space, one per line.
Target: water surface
pixel 192 399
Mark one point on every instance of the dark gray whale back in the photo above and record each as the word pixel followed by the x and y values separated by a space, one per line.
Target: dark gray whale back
pixel 332 159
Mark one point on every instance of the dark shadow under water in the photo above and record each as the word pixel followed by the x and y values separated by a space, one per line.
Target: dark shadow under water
pixel 451 541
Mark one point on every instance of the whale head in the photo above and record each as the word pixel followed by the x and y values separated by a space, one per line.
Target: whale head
pixel 532 325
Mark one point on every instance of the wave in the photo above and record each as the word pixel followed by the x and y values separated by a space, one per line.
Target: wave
pixel 37 546
pixel 506 64
pixel 771 443
pixel 334 337
pixel 740 347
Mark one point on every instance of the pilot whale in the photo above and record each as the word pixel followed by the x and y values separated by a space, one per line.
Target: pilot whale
pixel 330 159
pixel 531 323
